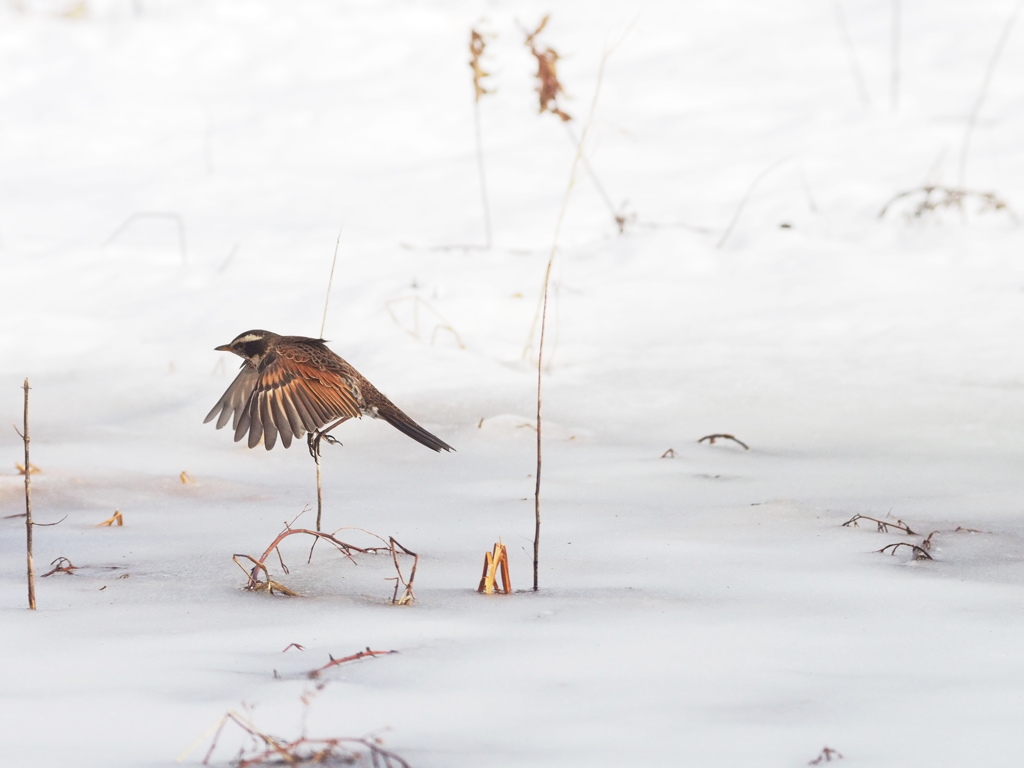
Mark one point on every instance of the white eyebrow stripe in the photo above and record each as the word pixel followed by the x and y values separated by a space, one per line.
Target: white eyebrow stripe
pixel 248 337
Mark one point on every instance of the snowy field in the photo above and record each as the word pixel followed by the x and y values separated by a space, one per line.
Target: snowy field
pixel 174 173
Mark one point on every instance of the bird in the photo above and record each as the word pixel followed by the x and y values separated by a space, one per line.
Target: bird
pixel 290 386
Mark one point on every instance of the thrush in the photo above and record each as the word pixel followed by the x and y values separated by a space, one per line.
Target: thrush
pixel 291 386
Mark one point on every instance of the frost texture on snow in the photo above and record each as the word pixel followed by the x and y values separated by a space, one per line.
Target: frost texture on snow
pixel 707 609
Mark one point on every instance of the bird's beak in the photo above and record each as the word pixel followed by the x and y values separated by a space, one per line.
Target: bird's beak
pixel 223 348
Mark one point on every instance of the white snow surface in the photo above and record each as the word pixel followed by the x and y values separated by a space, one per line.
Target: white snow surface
pixel 174 173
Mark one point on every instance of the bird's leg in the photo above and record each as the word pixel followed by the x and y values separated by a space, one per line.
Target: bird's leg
pixel 313 438
pixel 313 441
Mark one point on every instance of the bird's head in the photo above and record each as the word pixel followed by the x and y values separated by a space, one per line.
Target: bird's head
pixel 252 346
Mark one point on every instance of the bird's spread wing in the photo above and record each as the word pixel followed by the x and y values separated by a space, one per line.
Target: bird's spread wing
pixel 234 398
pixel 286 397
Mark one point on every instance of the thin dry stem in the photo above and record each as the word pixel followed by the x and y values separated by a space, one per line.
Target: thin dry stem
pixel 894 57
pixel 851 51
pixel 543 320
pixel 29 566
pixel 619 215
pixel 330 282
pixel 175 217
pixel 746 197
pixel 972 121
pixel 416 303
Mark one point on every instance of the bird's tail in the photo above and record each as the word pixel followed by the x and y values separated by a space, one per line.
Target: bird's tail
pixel 394 416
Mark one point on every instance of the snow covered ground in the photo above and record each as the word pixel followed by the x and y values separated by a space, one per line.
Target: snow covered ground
pixel 174 173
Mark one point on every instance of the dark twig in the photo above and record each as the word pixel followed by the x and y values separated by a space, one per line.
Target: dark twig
pixel 720 436
pixel 827 756
pixel 920 553
pixel 336 662
pixel 927 543
pixel 883 525
pixel 61 565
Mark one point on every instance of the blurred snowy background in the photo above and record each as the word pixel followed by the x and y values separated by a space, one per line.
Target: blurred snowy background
pixel 173 173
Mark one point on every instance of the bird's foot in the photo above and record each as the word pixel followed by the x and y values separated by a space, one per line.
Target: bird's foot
pixel 313 441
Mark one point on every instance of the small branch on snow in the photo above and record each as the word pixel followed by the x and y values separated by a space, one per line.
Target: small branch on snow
pixel 883 525
pixel 720 436
pixel 314 674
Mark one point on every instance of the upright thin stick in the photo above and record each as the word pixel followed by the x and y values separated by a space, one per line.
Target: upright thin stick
pixel 323 326
pixel 577 160
pixel 28 510
pixel 973 119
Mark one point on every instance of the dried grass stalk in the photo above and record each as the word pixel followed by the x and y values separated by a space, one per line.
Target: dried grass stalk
pixel 495 565
pixel 477 48
pixel 936 197
pixel 259 580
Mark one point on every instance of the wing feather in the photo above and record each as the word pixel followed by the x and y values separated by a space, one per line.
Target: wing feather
pixel 291 412
pixel 286 397
pixel 232 402
pixel 284 426
pixel 267 418
pixel 255 421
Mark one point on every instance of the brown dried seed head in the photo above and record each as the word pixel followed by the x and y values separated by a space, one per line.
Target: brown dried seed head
pixel 477 48
pixel 549 87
